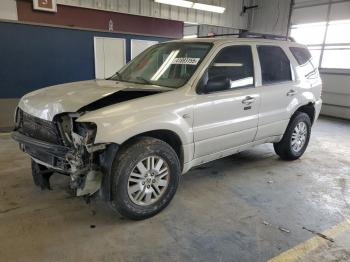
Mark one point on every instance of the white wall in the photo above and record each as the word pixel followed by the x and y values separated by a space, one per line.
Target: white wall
pixel 109 56
pixel 311 11
pixel 8 10
pixel 190 30
pixel 204 30
pixel 336 95
pixel 231 18
pixel 138 46
pixel 271 17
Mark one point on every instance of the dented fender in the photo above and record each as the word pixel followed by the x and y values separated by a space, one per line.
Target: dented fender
pixel 117 123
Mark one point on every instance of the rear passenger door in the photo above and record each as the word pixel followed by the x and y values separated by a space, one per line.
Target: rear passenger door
pixel 277 89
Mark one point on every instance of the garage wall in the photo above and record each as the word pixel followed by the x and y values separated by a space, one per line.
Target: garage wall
pixel 336 82
pixel 267 19
pixel 8 10
pixel 336 95
pixel 230 18
pixel 270 17
pixel 101 20
pixel 205 30
pixel 35 56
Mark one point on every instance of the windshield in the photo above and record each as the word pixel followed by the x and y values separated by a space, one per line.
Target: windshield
pixel 168 64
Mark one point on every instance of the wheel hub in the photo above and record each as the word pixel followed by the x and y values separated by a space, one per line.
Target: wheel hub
pixel 299 136
pixel 148 180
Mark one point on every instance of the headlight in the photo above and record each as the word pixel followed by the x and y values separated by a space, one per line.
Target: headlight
pixel 87 131
pixel 17 116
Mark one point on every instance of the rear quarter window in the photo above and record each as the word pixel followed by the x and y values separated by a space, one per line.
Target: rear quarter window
pixel 302 55
pixel 304 59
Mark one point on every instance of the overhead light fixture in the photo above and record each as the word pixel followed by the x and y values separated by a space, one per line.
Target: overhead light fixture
pixel 190 23
pixel 181 3
pixel 338 22
pixel 190 36
pixel 189 4
pixel 210 8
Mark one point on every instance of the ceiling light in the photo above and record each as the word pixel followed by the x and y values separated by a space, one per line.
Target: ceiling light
pixel 191 23
pixel 190 36
pixel 309 25
pixel 181 3
pixel 210 8
pixel 338 22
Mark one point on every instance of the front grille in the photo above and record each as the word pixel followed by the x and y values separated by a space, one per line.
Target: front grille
pixel 37 128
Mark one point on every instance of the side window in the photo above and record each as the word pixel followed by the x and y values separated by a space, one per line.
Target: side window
pixel 275 65
pixel 304 59
pixel 302 55
pixel 231 68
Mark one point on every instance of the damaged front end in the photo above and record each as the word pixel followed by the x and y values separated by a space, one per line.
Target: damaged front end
pixel 64 146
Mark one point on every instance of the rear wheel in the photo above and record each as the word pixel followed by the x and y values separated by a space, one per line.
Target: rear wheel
pixel 145 178
pixel 296 138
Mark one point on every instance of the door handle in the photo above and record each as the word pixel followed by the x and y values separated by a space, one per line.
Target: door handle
pixel 248 100
pixel 292 92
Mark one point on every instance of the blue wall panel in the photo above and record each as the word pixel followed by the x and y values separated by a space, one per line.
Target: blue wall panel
pixel 32 56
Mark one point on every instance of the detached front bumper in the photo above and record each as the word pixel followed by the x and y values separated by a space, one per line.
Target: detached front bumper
pixel 54 156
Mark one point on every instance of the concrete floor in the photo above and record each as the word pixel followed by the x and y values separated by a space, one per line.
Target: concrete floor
pixel 247 207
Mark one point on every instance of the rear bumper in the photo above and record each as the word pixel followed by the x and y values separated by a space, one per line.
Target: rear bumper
pixel 52 155
pixel 318 105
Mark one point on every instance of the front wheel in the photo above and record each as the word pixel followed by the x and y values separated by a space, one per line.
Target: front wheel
pixel 145 178
pixel 296 138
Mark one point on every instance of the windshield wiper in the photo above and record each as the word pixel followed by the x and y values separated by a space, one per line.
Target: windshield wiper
pixel 117 74
pixel 144 80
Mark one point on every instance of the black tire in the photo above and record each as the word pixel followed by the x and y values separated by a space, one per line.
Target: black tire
pixel 124 163
pixel 284 148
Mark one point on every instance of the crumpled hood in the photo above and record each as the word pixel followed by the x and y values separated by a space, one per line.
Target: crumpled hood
pixel 47 102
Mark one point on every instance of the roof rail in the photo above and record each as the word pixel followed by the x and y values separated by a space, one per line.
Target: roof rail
pixel 246 34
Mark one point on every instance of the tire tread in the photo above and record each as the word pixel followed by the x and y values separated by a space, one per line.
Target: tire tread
pixel 283 148
pixel 128 153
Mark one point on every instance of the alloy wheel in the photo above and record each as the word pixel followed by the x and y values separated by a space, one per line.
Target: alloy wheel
pixel 148 181
pixel 299 136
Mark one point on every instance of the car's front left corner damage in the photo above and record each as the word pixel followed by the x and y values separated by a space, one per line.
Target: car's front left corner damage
pixel 65 146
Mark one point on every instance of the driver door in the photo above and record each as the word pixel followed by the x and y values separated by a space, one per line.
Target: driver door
pixel 227 107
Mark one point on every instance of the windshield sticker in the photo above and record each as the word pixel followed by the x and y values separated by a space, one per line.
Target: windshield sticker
pixel 186 61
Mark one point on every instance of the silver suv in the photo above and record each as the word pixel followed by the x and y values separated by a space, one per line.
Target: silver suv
pixel 175 106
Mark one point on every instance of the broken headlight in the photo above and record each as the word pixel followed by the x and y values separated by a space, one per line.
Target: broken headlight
pixel 17 117
pixel 87 131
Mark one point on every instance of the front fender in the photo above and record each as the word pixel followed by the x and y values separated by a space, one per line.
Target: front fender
pixel 117 129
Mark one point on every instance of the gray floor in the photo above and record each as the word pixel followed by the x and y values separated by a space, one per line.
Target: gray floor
pixel 228 210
